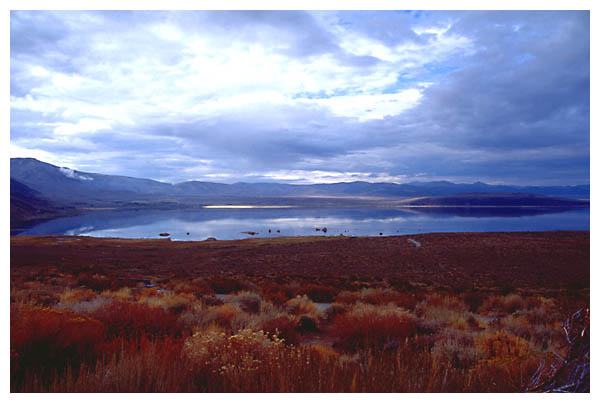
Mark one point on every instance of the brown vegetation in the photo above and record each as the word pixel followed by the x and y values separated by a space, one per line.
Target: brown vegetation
pixel 229 316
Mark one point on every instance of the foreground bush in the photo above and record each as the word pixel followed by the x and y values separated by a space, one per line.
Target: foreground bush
pixel 141 365
pixel 373 339
pixel 45 340
pixel 368 326
pixel 381 296
pixel 124 318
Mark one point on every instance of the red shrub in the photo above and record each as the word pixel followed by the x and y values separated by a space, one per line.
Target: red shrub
pixel 44 339
pixel 381 296
pixel 76 295
pixel 130 319
pixel 196 286
pixel 284 326
pixel 474 299
pixel 320 293
pixel 98 282
pixel 249 302
pixel 222 315
pixel 369 326
pixel 225 285
pixel 125 346
pixel 274 294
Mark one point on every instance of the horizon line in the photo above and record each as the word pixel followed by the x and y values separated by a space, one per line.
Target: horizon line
pixel 304 184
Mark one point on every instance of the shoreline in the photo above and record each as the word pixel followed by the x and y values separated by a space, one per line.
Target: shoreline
pixel 315 237
pixel 272 236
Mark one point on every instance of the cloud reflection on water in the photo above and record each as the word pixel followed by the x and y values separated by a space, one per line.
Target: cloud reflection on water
pixel 231 223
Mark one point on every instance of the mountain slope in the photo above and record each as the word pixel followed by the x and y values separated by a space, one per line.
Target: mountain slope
pixel 28 206
pixel 67 185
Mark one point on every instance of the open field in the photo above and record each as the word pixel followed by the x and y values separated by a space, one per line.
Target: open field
pixel 468 312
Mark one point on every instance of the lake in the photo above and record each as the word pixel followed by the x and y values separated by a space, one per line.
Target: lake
pixel 238 223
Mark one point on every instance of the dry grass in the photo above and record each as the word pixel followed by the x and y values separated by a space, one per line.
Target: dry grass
pixel 88 330
pixel 381 296
pixel 503 305
pixel 510 360
pixel 134 339
pixel 302 305
pixel 168 300
pixel 249 302
pixel 121 345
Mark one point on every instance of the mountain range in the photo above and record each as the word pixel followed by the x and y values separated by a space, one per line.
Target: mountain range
pixel 63 185
pixel 40 191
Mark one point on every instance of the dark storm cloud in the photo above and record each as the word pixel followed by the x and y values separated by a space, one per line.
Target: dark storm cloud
pixel 526 88
pixel 232 136
pixel 540 101
pixel 502 96
pixel 35 33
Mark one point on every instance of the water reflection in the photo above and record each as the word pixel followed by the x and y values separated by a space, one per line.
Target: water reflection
pixel 239 223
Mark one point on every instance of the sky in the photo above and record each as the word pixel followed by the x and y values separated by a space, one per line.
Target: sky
pixel 501 97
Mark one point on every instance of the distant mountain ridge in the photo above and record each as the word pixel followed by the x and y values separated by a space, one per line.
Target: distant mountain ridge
pixel 493 200
pixel 61 184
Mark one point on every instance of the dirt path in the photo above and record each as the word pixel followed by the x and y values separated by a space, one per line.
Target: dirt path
pixel 417 243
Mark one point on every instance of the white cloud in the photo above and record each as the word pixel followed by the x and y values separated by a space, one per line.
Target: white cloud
pixel 81 127
pixel 38 71
pixel 29 103
pixel 243 92
pixel 180 76
pixel 320 176
pixel 212 74
pixel 360 45
pixel 435 30
pixel 69 173
pixel 168 32
pixel 17 151
pixel 367 107
pixel 64 82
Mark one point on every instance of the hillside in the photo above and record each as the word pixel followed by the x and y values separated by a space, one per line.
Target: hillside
pixel 28 206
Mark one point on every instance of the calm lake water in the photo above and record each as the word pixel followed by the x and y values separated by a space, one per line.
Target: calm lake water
pixel 228 223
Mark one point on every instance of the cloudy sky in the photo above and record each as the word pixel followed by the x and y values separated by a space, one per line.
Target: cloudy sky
pixel 305 97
